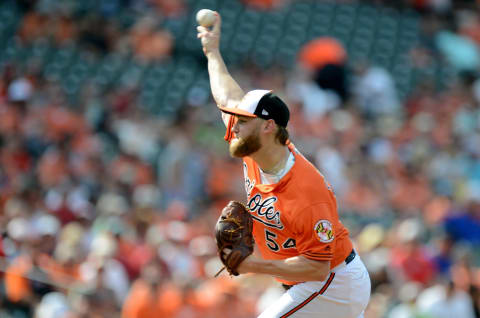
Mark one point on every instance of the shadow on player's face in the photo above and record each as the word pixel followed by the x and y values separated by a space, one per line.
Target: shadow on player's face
pixel 247 137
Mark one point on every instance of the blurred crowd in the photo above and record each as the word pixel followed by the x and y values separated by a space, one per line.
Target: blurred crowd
pixel 108 211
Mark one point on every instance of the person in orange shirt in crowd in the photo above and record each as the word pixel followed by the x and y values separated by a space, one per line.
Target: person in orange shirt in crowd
pixel 150 296
pixel 262 4
pixel 296 227
pixel 18 290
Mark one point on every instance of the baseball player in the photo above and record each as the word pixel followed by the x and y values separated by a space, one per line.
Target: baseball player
pixel 296 226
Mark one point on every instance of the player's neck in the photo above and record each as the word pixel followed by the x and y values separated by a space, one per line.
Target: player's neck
pixel 272 159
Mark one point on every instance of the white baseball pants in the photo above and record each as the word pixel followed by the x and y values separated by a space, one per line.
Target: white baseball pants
pixel 344 294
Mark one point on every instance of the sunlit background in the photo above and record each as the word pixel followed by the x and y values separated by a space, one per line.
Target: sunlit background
pixel 113 167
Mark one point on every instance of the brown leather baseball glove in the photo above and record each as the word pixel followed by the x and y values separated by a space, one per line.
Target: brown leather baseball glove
pixel 233 232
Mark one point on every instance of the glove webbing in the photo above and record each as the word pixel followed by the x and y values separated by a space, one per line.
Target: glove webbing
pixel 237 222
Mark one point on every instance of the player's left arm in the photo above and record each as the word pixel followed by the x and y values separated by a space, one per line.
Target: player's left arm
pixel 314 243
pixel 297 269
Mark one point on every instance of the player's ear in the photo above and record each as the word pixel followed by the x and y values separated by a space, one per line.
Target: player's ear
pixel 269 126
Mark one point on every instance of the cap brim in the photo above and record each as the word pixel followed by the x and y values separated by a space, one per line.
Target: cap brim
pixel 236 111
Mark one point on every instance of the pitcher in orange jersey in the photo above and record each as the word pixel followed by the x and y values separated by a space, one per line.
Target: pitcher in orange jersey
pixel 297 229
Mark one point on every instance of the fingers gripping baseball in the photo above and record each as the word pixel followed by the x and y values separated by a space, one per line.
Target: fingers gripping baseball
pixel 233 233
pixel 210 39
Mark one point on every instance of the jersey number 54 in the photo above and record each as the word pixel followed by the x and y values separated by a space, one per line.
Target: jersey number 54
pixel 271 241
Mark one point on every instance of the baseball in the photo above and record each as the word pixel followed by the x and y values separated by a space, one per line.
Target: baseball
pixel 205 17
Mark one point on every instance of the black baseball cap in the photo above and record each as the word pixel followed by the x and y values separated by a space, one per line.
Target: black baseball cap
pixel 262 104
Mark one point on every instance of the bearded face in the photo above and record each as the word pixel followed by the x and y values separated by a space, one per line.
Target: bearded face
pixel 242 147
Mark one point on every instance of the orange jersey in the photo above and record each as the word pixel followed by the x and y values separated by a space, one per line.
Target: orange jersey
pixel 296 216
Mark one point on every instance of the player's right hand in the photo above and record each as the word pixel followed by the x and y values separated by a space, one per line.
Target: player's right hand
pixel 210 38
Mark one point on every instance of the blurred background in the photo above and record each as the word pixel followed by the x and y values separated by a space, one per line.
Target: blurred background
pixel 113 169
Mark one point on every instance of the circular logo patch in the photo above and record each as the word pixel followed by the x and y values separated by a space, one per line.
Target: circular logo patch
pixel 324 230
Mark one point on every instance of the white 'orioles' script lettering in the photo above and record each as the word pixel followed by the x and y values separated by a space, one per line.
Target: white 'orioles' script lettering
pixel 264 211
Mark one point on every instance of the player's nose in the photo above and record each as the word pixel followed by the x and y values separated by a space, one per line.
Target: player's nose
pixel 235 127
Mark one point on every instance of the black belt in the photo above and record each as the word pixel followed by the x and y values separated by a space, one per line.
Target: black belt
pixel 348 260
pixel 350 257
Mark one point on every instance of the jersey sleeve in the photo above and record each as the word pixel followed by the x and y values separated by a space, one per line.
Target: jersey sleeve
pixel 229 133
pixel 314 231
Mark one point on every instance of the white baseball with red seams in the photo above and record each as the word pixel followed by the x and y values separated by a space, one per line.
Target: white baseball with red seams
pixel 205 17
